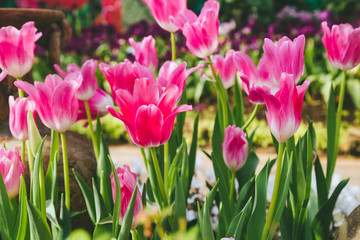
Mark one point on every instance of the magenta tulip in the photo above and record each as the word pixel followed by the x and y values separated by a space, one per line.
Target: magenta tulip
pixel 11 168
pixel 18 117
pixel 284 108
pixel 55 100
pixel 163 10
pixel 235 148
pixel 89 83
pixel 97 104
pixel 127 181
pixel 17 49
pixel 226 68
pixel 172 73
pixel 201 33
pixel 145 52
pixel 342 45
pixel 123 75
pixel 285 57
pixel 149 112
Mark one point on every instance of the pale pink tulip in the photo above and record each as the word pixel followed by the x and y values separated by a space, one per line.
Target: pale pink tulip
pixel 235 148
pixel 18 110
pixel 11 168
pixel 285 57
pixel 172 73
pixel 127 181
pixel 225 67
pixel 148 111
pixel 145 52
pixel 342 45
pixel 17 49
pixel 55 100
pixel 163 10
pixel 97 104
pixel 123 75
pixel 284 108
pixel 201 33
pixel 3 74
pixel 89 83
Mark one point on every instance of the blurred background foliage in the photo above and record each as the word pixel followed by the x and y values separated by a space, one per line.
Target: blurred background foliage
pixel 244 25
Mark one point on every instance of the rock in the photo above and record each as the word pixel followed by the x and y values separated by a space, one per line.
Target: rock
pixel 350 228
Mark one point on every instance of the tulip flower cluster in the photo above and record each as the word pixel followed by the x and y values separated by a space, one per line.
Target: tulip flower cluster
pixel 151 103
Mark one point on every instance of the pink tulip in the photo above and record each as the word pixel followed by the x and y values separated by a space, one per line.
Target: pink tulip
pixel 285 57
pixel 111 10
pixel 284 108
pixel 148 111
pixel 97 104
pixel 201 33
pixel 235 148
pixel 163 10
pixel 123 75
pixel 3 75
pixel 89 83
pixel 28 3
pixel 127 181
pixel 145 52
pixel 18 117
pixel 55 100
pixel 172 73
pixel 342 45
pixel 17 49
pixel 11 168
pixel 225 67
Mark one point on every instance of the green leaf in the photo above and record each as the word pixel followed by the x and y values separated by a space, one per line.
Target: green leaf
pixel 180 202
pixel 207 232
pixel 180 119
pixel 35 181
pixel 21 220
pixel 353 87
pixel 257 219
pixel 65 221
pixel 184 169
pixel 100 208
pixel 54 150
pixel 88 196
pixel 330 126
pixel 38 225
pixel 322 192
pixel 245 193
pixel 7 212
pixel 239 106
pixel 192 153
pixel 103 172
pixel 153 182
pixel 239 221
pixel 322 220
pixel 128 218
pixel 248 170
pixel 102 232
pixel 175 169
pixel 52 201
pixel 117 205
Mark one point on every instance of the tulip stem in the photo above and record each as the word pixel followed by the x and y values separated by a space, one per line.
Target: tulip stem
pixel 337 129
pixel 166 164
pixel 158 175
pixel 66 171
pixel 42 190
pixel 273 202
pixel 23 152
pixel 134 234
pixel 251 118
pixel 21 93
pixel 173 47
pixel 92 134
pixel 144 157
pixel 232 186
pixel 221 92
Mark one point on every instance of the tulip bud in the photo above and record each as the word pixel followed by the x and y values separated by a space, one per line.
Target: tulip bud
pixel 11 168
pixel 34 135
pixel 235 148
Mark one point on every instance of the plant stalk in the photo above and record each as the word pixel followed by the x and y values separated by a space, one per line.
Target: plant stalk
pixel 173 47
pixel 251 118
pixel 66 171
pixel 232 186
pixel 92 134
pixel 158 176
pixel 273 202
